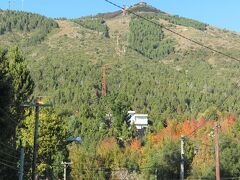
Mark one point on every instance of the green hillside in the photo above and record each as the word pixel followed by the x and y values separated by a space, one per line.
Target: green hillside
pixel 67 66
pixel 27 28
pixel 150 70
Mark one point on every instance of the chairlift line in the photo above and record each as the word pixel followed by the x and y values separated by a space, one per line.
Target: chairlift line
pixel 173 32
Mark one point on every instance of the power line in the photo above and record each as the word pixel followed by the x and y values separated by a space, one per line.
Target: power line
pixel 8 116
pixel 116 169
pixel 7 165
pixel 230 177
pixel 11 121
pixel 6 161
pixel 112 169
pixel 176 33
pixel 195 130
pixel 223 101
pixel 7 146
pixel 15 157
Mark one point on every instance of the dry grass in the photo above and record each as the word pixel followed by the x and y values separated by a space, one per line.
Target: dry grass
pixel 120 25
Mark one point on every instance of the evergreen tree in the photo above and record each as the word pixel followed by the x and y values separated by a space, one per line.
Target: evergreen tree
pixel 16 87
pixel 22 82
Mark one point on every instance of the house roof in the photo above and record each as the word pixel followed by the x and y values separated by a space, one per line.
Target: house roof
pixel 140 121
pixel 141 115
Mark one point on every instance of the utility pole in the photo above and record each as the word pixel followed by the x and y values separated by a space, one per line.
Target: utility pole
pixel 182 159
pixel 124 12
pixel 9 5
pixel 35 144
pixel 217 126
pixel 65 164
pixel 37 106
pixel 104 80
pixel 156 174
pixel 21 168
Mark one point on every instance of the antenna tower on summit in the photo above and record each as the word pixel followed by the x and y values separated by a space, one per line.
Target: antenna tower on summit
pixel 9 5
pixel 124 10
pixel 22 4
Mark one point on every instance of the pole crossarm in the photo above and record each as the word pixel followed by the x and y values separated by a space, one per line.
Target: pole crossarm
pixel 36 105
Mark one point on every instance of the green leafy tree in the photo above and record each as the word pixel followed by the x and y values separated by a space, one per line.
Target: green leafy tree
pixel 52 142
pixel 229 153
pixel 163 162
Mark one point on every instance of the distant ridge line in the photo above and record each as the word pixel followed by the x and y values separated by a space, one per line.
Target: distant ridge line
pixel 178 34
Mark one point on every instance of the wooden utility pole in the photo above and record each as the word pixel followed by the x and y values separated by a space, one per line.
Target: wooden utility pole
pixel 21 167
pixel 104 80
pixel 124 12
pixel 35 144
pixel 182 159
pixel 217 151
pixel 37 105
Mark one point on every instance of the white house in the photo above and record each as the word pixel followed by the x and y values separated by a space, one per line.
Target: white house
pixel 140 120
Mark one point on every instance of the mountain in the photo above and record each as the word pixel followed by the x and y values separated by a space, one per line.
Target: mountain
pixel 157 70
pixel 150 68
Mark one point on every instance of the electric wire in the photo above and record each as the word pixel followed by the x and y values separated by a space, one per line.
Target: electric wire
pixel 1 152
pixel 8 116
pixel 196 42
pixel 9 166
pixel 11 121
pixel 176 33
pixel 195 130
pixel 7 146
pixel 6 161
pixel 99 169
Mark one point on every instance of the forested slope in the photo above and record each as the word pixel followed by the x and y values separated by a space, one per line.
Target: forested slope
pixel 150 70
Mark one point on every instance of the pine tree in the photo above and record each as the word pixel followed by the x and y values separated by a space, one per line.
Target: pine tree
pixel 16 86
pixel 23 84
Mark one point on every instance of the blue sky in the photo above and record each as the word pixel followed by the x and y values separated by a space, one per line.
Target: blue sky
pixel 220 13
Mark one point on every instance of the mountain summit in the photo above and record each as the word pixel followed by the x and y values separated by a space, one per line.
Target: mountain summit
pixel 143 7
pixel 95 69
